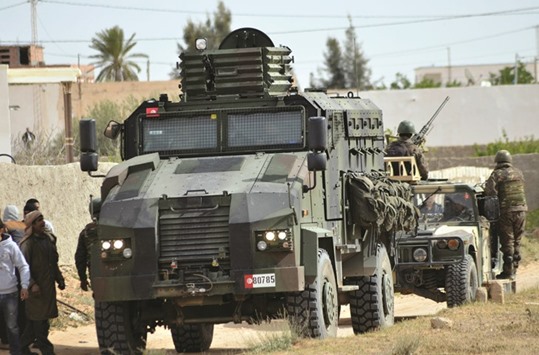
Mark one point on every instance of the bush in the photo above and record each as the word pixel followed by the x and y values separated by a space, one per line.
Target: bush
pixel 527 145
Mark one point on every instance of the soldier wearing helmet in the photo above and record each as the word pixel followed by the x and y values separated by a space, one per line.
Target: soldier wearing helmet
pixel 87 237
pixel 507 183
pixel 405 147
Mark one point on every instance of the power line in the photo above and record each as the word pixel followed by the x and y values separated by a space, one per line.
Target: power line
pixel 520 11
pixel 14 5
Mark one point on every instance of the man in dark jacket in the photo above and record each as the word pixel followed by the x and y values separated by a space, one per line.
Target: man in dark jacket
pixel 39 249
pixel 87 238
pixel 507 182
pixel 405 147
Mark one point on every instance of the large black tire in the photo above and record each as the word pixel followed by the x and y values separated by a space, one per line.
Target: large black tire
pixel 461 282
pixel 314 312
pixel 116 333
pixel 192 338
pixel 373 306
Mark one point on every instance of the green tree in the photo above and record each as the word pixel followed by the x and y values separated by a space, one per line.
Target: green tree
pixel 333 58
pixel 214 32
pixel 506 75
pixel 354 63
pixel 114 58
pixel 345 65
pixel 401 82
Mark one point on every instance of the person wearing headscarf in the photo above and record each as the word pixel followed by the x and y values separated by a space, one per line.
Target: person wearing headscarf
pixel 14 226
pixel 39 249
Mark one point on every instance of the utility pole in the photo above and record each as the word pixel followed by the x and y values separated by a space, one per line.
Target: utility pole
pixel 33 4
pixel 515 80
pixel 148 69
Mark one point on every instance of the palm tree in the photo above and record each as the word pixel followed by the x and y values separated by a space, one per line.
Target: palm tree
pixel 114 57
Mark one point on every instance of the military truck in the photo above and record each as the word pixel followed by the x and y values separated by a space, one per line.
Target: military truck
pixel 233 205
pixel 453 251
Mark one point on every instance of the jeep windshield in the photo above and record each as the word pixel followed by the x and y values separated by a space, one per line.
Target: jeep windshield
pixel 445 207
pixel 223 131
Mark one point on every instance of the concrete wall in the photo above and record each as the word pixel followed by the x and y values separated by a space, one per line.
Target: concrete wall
pixel 473 115
pixel 5 120
pixel 41 109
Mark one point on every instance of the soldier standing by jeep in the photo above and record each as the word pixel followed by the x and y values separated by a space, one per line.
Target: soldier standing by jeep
pixel 87 238
pixel 507 182
pixel 405 147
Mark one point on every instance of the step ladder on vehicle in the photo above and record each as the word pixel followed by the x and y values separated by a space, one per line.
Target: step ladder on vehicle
pixel 402 168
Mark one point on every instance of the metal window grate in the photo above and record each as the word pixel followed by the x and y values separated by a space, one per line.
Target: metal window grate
pixel 265 129
pixel 186 133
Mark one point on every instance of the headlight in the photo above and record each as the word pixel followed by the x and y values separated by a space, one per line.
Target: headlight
pixel 441 244
pixel 118 244
pixel 106 245
pixel 453 244
pixel 275 240
pixel 270 236
pixel 127 253
pixel 420 254
pixel 262 245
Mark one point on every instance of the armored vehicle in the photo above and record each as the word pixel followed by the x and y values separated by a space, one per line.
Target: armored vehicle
pixel 232 205
pixel 452 252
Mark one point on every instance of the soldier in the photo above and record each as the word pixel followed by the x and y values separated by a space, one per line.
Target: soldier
pixel 87 238
pixel 405 147
pixel 507 182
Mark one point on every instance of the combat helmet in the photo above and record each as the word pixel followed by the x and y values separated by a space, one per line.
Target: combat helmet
pixel 406 127
pixel 503 156
pixel 95 207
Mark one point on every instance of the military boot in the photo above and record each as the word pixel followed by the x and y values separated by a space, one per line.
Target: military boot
pixel 516 262
pixel 507 272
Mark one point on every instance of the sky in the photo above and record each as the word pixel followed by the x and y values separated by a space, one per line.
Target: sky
pixel 396 36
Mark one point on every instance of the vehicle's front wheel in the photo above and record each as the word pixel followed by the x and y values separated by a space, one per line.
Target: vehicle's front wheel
pixel 372 305
pixel 118 331
pixel 192 338
pixel 461 282
pixel 314 312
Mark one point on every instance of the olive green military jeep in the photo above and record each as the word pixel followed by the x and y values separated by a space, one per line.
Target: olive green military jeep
pixel 452 252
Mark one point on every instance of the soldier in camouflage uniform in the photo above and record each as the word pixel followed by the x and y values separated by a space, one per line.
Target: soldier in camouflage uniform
pixel 87 237
pixel 405 147
pixel 507 182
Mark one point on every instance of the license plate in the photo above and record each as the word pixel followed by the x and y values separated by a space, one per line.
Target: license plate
pixel 259 280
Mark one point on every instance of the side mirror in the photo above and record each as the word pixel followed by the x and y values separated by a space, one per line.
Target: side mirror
pixel 317 130
pixel 112 130
pixel 88 145
pixel 489 207
pixel 316 161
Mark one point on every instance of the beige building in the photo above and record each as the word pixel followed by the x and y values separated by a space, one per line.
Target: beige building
pixel 469 74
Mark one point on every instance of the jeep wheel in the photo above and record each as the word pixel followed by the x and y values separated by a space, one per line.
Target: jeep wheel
pixel 117 332
pixel 192 338
pixel 372 306
pixel 314 312
pixel 461 282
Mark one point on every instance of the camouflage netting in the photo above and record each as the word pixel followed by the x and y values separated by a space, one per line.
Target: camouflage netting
pixel 376 200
